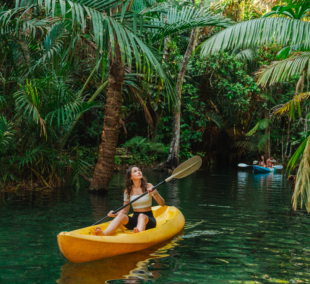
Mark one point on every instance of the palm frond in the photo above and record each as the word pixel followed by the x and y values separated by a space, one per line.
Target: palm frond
pixel 255 143
pixel 54 41
pixel 296 156
pixel 32 155
pixel 291 106
pixel 247 54
pixel 253 130
pixel 28 104
pixel 6 133
pixel 80 168
pixel 261 125
pixel 264 123
pixel 285 70
pixel 176 21
pixel 262 141
pixel 302 184
pixel 68 112
pixel 260 32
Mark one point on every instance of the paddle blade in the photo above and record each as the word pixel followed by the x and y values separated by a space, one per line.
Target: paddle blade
pixel 187 168
pixel 255 162
pixel 279 167
pixel 242 165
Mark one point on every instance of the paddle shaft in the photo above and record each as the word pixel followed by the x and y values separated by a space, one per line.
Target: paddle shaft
pixel 119 209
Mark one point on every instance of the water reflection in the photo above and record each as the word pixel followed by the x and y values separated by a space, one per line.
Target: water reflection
pixel 263 180
pixel 242 179
pixel 130 268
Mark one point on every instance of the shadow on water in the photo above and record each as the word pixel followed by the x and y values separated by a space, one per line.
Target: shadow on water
pixel 130 268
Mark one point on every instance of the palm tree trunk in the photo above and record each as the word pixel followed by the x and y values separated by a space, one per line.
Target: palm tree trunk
pixel 107 148
pixel 173 156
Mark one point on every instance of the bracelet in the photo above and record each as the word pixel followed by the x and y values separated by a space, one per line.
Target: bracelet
pixel 155 194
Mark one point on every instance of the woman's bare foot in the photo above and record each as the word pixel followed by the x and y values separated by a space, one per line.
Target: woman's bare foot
pixel 98 231
pixel 136 230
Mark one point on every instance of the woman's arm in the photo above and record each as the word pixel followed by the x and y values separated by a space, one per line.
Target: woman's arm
pixel 124 211
pixel 155 194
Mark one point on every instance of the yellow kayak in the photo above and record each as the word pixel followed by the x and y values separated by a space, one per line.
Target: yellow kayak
pixel 83 245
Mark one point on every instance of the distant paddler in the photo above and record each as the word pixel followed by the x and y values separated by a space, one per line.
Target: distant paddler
pixel 270 162
pixel 262 161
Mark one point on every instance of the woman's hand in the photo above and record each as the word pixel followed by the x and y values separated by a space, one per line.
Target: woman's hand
pixel 150 189
pixel 111 214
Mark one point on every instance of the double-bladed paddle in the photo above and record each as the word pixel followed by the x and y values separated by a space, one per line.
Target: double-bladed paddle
pixel 279 167
pixel 183 170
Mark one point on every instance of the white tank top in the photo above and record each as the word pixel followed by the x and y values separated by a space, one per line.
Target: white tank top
pixel 143 202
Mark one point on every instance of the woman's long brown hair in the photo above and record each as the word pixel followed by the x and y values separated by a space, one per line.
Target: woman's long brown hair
pixel 129 182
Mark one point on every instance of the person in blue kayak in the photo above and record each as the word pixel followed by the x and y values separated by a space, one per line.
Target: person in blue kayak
pixel 143 218
pixel 262 161
pixel 270 162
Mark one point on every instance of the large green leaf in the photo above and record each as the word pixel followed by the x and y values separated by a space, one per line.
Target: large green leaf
pixel 175 21
pixel 285 70
pixel 260 32
pixel 302 184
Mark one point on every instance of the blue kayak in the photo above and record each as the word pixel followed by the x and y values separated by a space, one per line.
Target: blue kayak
pixel 262 170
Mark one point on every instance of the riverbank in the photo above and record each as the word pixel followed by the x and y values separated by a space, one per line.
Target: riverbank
pixel 41 184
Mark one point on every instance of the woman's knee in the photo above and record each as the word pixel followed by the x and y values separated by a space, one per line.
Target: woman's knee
pixel 121 216
pixel 142 217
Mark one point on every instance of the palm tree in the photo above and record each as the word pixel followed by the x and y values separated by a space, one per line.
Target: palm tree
pixel 293 34
pixel 115 32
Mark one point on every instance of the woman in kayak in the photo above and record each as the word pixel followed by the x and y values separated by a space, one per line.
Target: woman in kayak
pixel 143 218
pixel 262 162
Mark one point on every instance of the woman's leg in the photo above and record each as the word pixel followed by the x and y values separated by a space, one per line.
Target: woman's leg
pixel 120 219
pixel 142 221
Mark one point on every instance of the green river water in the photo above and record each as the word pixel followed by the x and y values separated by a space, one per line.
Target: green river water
pixel 239 229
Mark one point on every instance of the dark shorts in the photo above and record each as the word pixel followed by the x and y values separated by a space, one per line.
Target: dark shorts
pixel 133 221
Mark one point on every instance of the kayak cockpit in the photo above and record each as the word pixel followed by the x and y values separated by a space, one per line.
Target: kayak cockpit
pixel 161 214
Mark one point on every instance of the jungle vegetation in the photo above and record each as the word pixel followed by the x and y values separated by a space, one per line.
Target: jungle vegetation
pixel 90 84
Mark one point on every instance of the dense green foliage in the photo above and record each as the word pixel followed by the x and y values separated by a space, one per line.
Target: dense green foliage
pixel 236 104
